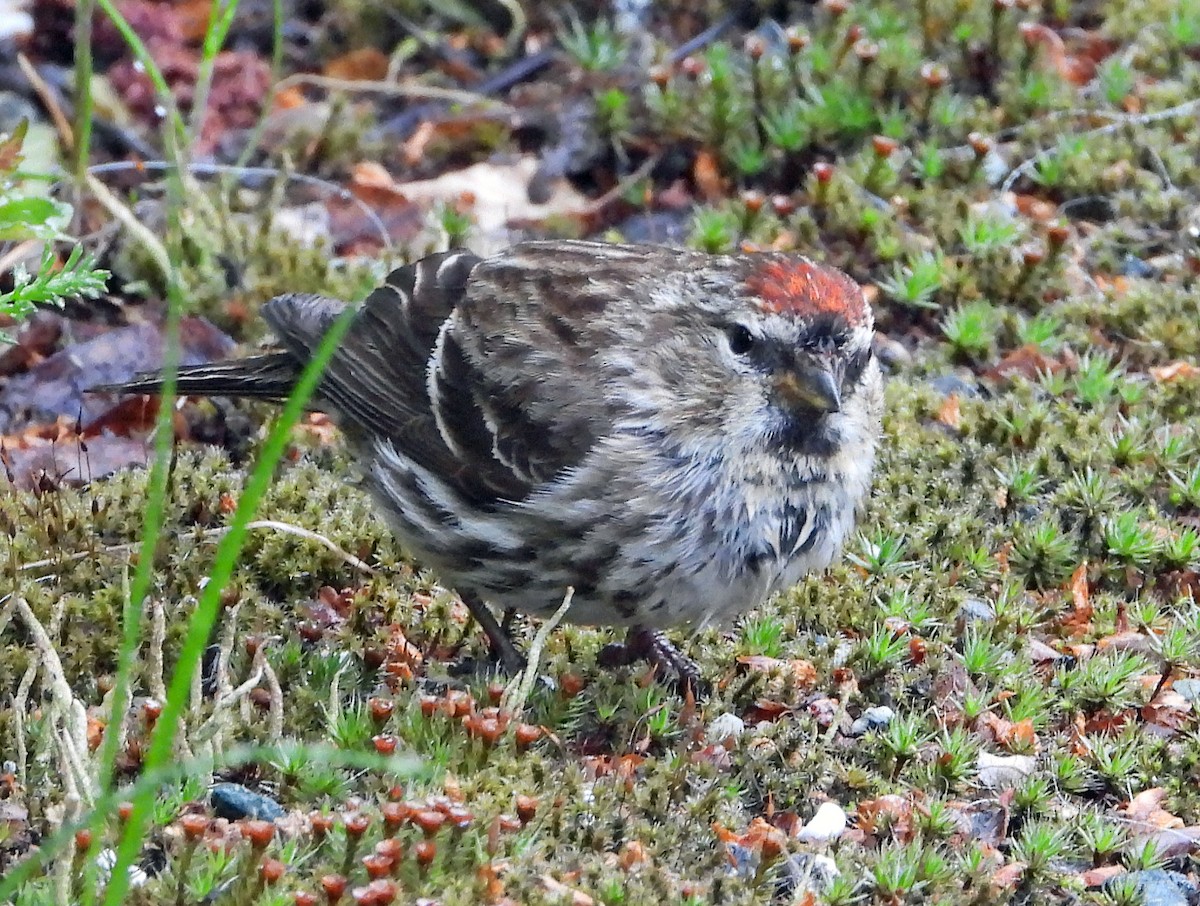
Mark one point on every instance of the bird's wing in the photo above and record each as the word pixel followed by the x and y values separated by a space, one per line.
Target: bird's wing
pixel 376 379
pixel 486 401
pixel 517 378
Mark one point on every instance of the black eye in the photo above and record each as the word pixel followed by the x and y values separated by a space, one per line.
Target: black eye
pixel 740 339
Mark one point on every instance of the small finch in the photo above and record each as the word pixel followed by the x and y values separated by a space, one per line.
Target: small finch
pixel 674 435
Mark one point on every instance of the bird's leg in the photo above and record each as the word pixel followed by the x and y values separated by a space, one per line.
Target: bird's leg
pixel 653 646
pixel 500 642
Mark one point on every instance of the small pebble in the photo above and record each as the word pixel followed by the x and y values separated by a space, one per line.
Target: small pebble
pixel 872 719
pixel 977 610
pixel 997 772
pixel 1159 887
pixel 234 801
pixel 827 824
pixel 1189 689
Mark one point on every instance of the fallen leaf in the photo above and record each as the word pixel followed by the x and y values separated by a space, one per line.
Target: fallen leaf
pixel 1028 361
pixel 1094 877
pixel 1008 875
pixel 365 64
pixel 1079 621
pixel 950 412
pixel 707 174
pixel 1169 710
pixel 1003 771
pixel 1146 809
pixel 798 669
pixel 56 386
pixel 1174 371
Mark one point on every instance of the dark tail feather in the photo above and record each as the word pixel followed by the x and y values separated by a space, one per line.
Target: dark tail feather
pixel 270 377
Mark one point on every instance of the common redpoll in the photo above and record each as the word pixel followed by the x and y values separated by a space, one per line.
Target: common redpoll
pixel 674 435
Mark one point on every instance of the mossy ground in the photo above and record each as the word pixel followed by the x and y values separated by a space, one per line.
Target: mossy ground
pixel 1024 581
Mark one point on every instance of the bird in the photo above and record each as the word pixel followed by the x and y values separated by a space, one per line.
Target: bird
pixel 674 435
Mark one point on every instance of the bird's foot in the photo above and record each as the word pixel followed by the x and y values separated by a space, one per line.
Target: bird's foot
pixel 504 651
pixel 651 645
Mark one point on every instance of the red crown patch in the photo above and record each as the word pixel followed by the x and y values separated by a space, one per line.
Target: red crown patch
pixel 800 287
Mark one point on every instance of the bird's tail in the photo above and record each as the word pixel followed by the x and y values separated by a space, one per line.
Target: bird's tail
pixel 270 377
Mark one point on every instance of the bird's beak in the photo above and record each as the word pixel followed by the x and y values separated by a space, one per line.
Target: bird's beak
pixel 809 386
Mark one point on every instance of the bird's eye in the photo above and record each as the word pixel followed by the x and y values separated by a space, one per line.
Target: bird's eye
pixel 740 339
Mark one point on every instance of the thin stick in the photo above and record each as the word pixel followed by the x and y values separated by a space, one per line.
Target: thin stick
pixel 212 535
pixel 517 692
pixel 46 94
pixel 1139 119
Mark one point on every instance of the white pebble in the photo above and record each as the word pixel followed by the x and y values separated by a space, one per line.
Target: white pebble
pixel 827 824
pixel 997 772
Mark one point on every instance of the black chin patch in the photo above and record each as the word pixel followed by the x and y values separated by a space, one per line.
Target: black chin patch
pixel 808 432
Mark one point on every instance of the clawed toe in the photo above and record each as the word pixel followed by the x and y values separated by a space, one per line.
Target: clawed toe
pixel 674 667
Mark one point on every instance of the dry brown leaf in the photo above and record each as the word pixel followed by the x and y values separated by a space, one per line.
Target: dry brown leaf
pixel 1028 361
pixel 707 174
pixel 1174 371
pixel 366 64
pixel 950 412
pixel 1008 875
pixel 1146 809
pixel 1079 621
pixel 1094 877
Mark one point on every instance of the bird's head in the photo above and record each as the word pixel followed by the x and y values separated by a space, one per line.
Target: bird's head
pixel 772 348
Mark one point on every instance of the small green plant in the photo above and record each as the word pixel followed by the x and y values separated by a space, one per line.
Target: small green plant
pixel 1183 25
pixel 881 554
pixel 1022 483
pixel 1186 490
pixel 1039 845
pixel 1052 169
pixel 1130 540
pixel 24 216
pixel 787 127
pixel 1033 702
pixel 912 609
pixel 1124 890
pixel 598 47
pixel 1098 378
pixel 1107 681
pixel 456 224
pixel 883 648
pixel 764 635
pixel 1182 550
pixel 989 231
pixel 971 329
pixel 981 657
pixel 1102 837
pixel 1089 496
pixel 959 753
pixel 1117 761
pixel 902 739
pixel 715 230
pixel 839 109
pixel 1144 856
pixel 896 876
pixel 1041 331
pixel 612 114
pixel 1043 553
pixel 1117 80
pixel 1071 774
pixel 917 282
